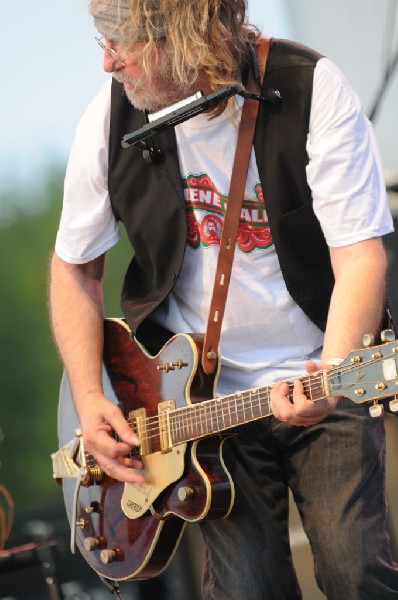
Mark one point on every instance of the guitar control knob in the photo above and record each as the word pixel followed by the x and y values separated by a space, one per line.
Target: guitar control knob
pixel 185 493
pixel 108 555
pixel 91 543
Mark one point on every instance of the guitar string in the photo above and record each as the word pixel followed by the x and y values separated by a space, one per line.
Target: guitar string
pixel 202 416
pixel 225 402
pixel 314 378
pixel 241 402
pixel 247 396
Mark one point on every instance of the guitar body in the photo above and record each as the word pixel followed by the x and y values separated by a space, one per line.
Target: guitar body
pixel 136 529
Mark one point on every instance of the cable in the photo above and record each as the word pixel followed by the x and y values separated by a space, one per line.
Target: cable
pixel 6 516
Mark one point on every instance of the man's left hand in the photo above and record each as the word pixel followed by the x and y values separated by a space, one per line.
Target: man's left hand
pixel 301 411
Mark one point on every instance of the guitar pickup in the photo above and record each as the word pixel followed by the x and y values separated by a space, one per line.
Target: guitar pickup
pixel 137 421
pixel 166 442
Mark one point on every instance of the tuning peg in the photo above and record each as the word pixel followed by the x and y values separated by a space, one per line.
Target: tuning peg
pixel 387 335
pixel 368 340
pixel 394 405
pixel 376 410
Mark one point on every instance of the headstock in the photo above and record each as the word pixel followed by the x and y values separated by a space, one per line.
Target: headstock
pixel 369 374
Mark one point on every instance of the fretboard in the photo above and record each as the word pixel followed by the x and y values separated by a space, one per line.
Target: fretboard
pixel 214 416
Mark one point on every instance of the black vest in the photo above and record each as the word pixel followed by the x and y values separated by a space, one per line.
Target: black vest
pixel 149 200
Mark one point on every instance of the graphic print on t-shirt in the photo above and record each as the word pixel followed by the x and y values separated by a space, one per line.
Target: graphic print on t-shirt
pixel 206 206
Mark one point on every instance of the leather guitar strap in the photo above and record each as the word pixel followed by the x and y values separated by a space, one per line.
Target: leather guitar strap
pixel 232 215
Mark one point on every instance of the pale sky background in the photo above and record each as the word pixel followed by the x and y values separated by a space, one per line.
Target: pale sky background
pixel 52 67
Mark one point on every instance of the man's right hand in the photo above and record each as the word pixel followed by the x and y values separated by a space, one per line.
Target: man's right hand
pixel 108 438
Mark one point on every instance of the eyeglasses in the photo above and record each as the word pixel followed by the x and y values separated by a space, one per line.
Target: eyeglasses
pixel 111 51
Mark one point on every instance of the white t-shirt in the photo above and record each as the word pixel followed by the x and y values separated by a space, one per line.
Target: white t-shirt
pixel 265 335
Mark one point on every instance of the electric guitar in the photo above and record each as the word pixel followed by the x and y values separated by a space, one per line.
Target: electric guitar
pixel 126 531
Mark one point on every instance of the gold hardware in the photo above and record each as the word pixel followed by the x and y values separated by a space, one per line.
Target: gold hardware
pixel 166 367
pixel 360 392
pixel 377 355
pixel 91 474
pixel 137 421
pixel 356 360
pixel 164 408
pixel 211 355
pixel 93 508
pixel 380 386
pixel 178 364
pixel 81 523
pixel 71 461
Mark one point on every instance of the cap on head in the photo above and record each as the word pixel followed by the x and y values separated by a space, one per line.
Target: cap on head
pixel 120 20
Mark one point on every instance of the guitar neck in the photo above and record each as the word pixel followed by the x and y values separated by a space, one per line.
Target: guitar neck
pixel 220 414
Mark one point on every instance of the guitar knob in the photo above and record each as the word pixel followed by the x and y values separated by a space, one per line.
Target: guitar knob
pixel 376 410
pixel 185 493
pixel 108 555
pixel 91 543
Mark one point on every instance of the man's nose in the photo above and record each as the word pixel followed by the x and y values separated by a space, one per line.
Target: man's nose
pixel 111 63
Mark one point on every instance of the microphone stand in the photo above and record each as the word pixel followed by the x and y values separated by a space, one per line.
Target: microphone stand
pixel 392 65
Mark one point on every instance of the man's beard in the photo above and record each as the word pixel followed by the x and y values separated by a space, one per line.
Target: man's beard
pixel 142 94
pixel 152 92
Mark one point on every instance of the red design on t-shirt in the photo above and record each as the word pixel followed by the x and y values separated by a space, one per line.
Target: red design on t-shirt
pixel 206 207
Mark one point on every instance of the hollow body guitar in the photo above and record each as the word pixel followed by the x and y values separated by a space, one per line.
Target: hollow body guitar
pixel 125 531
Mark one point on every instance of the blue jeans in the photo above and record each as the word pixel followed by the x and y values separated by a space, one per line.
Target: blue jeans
pixel 336 471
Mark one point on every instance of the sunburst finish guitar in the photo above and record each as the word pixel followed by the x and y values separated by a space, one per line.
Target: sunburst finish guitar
pixel 126 531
